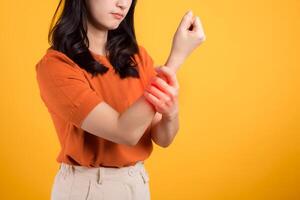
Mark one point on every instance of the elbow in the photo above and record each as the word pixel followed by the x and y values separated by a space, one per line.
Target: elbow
pixel 165 142
pixel 164 145
pixel 131 141
pixel 159 142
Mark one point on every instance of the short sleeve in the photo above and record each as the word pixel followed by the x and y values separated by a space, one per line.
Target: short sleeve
pixel 148 63
pixel 65 90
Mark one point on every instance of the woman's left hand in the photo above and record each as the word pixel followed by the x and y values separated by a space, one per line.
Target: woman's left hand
pixel 162 92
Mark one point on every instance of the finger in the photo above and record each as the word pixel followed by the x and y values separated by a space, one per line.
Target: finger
pixel 151 98
pixel 162 85
pixel 199 27
pixel 170 75
pixel 158 93
pixel 191 27
pixel 186 20
pixel 171 94
pixel 160 75
pixel 198 24
pixel 154 101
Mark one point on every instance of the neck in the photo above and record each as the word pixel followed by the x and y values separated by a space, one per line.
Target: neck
pixel 97 39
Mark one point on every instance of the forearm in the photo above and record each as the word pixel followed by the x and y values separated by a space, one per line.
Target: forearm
pixel 174 61
pixel 165 130
pixel 136 119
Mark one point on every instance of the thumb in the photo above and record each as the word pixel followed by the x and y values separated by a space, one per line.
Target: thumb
pixel 160 74
pixel 198 24
pixel 186 20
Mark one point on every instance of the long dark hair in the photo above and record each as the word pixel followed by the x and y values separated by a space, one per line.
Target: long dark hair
pixel 69 36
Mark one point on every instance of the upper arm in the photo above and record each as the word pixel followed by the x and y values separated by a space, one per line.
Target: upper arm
pixel 67 94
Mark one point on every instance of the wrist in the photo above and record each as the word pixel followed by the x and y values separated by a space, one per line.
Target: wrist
pixel 174 61
pixel 170 117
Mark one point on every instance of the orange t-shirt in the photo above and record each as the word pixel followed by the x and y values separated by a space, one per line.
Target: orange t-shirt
pixel 70 93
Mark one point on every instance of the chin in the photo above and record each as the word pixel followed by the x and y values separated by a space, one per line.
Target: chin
pixel 113 26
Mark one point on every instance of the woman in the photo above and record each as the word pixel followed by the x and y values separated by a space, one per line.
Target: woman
pixel 93 81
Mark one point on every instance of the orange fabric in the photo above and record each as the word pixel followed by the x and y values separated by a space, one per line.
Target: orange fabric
pixel 70 93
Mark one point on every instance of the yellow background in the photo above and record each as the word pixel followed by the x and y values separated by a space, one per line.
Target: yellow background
pixel 239 101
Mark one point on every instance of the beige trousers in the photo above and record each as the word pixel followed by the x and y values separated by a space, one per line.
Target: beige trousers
pixel 101 183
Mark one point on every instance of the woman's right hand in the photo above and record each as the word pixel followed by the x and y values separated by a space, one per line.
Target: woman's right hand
pixel 188 36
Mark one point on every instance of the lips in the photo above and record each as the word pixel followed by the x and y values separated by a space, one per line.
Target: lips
pixel 118 14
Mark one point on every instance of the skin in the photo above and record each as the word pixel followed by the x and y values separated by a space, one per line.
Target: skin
pixel 100 21
pixel 163 91
pixel 128 127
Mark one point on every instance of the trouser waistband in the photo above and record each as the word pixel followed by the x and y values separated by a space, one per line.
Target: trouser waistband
pixel 98 173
